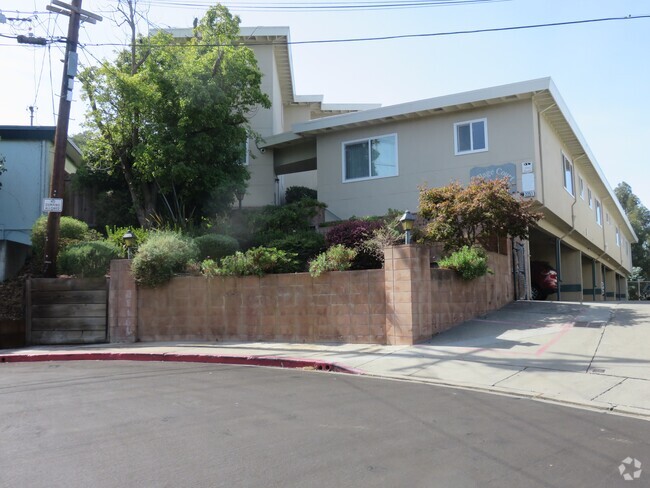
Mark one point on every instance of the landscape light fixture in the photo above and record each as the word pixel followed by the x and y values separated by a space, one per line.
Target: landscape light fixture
pixel 128 239
pixel 407 221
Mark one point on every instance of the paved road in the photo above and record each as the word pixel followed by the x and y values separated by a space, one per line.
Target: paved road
pixel 125 424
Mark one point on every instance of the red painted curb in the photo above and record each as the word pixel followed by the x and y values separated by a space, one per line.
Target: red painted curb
pixel 268 361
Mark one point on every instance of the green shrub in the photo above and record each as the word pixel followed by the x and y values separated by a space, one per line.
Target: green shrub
pixel 389 234
pixel 336 258
pixel 256 261
pixel 354 234
pixel 305 245
pixel 216 246
pixel 116 236
pixel 468 262
pixel 276 222
pixel 90 259
pixel 71 231
pixel 297 193
pixel 161 256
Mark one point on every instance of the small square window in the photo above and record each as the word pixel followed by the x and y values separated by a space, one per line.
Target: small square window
pixel 470 136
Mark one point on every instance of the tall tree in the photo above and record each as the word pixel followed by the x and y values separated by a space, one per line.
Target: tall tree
pixel 172 117
pixel 639 217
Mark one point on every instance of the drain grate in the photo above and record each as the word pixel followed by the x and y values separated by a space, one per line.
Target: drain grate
pixel 597 370
pixel 596 324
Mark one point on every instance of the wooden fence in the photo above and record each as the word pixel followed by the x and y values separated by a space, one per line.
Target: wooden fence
pixel 66 311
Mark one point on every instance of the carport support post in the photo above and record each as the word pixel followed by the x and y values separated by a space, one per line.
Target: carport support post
pixel 558 265
pixel 593 279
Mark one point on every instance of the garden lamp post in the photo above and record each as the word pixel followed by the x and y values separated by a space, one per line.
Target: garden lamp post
pixel 128 239
pixel 407 221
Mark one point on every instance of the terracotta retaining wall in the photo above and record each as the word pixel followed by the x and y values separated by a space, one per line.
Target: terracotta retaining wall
pixel 405 303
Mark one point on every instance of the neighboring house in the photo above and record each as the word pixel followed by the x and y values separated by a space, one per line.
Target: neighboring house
pixel 29 152
pixel 364 160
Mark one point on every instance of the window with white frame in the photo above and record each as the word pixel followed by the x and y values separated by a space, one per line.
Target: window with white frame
pixel 618 237
pixel 568 174
pixel 581 187
pixel 589 199
pixel 470 136
pixel 607 218
pixel 244 157
pixel 599 214
pixel 375 157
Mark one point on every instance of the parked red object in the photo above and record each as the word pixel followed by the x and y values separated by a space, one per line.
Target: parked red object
pixel 543 279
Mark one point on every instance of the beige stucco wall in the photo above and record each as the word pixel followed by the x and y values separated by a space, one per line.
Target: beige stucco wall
pixel 425 157
pixel 261 186
pixel 574 211
pixel 554 196
pixel 294 114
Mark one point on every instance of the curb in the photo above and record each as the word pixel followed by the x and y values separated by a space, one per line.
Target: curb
pixel 613 409
pixel 267 361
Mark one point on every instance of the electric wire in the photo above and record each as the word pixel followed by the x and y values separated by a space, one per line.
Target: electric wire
pixel 322 6
pixel 403 36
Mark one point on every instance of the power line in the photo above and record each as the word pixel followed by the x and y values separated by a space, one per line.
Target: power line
pixel 322 6
pixel 400 36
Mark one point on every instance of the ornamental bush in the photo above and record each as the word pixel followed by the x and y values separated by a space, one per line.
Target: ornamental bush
pixel 336 258
pixel 297 193
pixel 71 231
pixel 274 222
pixel 468 262
pixel 353 234
pixel 216 246
pixel 161 256
pixel 116 236
pixel 305 245
pixel 90 259
pixel 464 216
pixel 257 261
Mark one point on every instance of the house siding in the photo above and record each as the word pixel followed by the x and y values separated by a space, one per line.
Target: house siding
pixel 425 157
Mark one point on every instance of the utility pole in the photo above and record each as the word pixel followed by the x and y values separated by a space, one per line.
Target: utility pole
pixel 54 205
pixel 31 115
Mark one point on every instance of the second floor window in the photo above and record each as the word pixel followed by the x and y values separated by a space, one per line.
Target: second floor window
pixel 568 174
pixel 374 157
pixel 599 214
pixel 581 187
pixel 470 136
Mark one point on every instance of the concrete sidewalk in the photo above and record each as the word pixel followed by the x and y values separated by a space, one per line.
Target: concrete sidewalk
pixel 589 355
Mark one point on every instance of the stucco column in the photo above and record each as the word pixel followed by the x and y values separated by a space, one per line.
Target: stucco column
pixel 407 279
pixel 122 303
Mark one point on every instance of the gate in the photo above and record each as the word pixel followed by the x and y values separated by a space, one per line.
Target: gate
pixel 66 311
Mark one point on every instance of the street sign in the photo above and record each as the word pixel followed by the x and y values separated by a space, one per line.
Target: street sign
pixel 52 205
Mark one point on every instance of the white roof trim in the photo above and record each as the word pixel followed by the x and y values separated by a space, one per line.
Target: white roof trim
pixel 429 104
pixel 587 150
pixel 437 104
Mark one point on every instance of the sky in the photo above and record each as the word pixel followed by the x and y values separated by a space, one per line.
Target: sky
pixel 600 68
